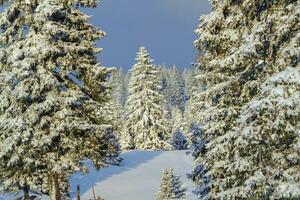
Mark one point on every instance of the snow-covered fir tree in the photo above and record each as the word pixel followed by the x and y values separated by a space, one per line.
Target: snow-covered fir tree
pixel 265 161
pixel 53 96
pixel 174 87
pixel 146 125
pixel 188 117
pixel 178 140
pixel 116 113
pixel 118 82
pixel 164 74
pixel 241 44
pixel 198 175
pixel 177 119
pixel 171 186
pixel 119 85
pixel 165 191
pixel 193 87
pixel 188 76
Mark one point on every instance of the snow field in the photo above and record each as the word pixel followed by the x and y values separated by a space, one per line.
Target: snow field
pixel 138 177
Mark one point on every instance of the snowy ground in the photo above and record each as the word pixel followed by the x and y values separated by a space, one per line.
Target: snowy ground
pixel 137 178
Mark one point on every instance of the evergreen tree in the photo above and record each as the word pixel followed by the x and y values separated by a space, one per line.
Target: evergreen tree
pixel 266 142
pixel 171 186
pixel 164 75
pixel 53 96
pixel 188 76
pixel 177 119
pixel 165 191
pixel 188 118
pixel 240 45
pixel 193 87
pixel 198 175
pixel 119 84
pixel 117 115
pixel 174 88
pixel 146 125
pixel 2 2
pixel 178 141
pixel 177 89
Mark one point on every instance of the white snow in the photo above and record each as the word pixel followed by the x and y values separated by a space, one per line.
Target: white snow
pixel 137 178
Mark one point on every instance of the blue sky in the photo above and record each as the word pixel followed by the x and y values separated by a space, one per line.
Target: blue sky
pixel 164 27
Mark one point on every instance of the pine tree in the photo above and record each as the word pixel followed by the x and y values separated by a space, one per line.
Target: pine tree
pixel 240 45
pixel 119 84
pixel 266 142
pixel 198 175
pixel 116 114
pixel 164 76
pixel 173 88
pixel 171 186
pixel 177 119
pixel 146 125
pixel 177 89
pixel 178 140
pixel 53 96
pixel 188 118
pixel 193 87
pixel 188 76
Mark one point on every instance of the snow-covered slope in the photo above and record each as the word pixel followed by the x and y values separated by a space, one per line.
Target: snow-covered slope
pixel 137 178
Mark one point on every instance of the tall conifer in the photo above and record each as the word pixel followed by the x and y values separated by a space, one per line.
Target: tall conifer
pixel 53 95
pixel 146 125
pixel 241 44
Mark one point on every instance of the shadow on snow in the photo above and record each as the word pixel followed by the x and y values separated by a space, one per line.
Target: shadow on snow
pixel 131 160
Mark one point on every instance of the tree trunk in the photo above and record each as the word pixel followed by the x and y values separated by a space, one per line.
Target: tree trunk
pixel 26 193
pixel 54 187
pixel 94 194
pixel 78 192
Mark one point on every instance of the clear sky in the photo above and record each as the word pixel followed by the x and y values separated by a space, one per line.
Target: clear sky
pixel 164 27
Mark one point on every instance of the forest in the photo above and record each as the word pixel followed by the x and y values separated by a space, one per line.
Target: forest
pixel 235 113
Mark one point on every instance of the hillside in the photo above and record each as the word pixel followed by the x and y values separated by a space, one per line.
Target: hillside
pixel 137 178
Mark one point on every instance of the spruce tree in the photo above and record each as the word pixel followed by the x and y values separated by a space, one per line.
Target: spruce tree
pixel 119 85
pixel 146 125
pixel 190 82
pixel 174 88
pixel 171 186
pixel 241 44
pixel 193 88
pixel 265 144
pixel 177 119
pixel 164 76
pixel 188 116
pixel 178 140
pixel 53 96
pixel 197 149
